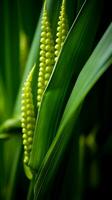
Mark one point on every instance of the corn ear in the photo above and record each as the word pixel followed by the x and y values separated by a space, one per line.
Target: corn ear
pixel 27 116
pixel 46 61
pixel 62 30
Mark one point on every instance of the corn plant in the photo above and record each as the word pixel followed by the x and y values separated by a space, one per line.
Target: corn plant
pixel 55 99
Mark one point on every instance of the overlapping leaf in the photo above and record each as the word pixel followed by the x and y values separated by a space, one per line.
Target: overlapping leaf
pixel 97 64
pixel 75 52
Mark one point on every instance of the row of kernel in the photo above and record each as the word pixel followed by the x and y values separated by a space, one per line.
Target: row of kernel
pixel 46 56
pixel 62 30
pixel 28 119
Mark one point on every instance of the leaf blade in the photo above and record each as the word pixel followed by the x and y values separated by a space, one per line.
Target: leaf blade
pixel 53 156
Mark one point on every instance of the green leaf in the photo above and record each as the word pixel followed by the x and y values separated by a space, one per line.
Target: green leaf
pixel 9 57
pixel 10 125
pixel 96 65
pixel 11 150
pixel 2 172
pixel 4 136
pixel 75 52
pixel 79 4
pixel 12 174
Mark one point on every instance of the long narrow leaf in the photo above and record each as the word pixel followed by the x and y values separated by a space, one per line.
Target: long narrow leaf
pixel 9 57
pixel 97 64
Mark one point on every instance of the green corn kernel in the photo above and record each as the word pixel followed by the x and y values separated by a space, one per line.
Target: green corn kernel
pixel 62 30
pixel 27 116
pixel 47 56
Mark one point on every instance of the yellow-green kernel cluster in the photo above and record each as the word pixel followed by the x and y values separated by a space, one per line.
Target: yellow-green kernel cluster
pixel 46 56
pixel 62 30
pixel 28 117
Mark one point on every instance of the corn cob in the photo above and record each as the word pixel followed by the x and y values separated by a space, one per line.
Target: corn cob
pixel 46 56
pixel 62 29
pixel 28 116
